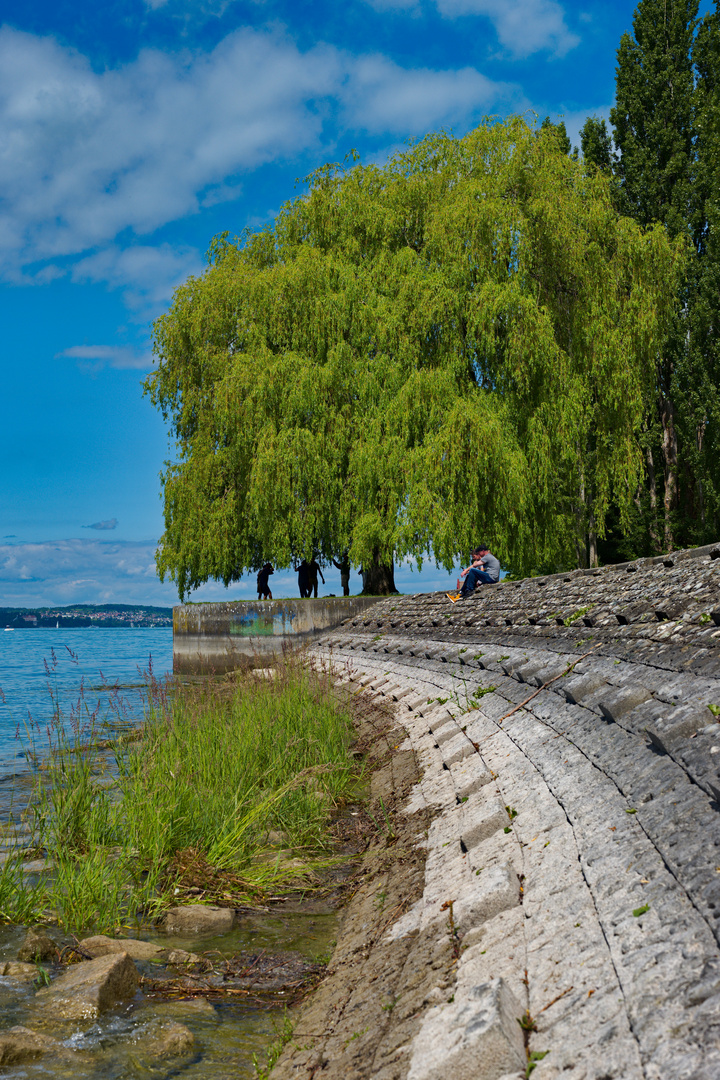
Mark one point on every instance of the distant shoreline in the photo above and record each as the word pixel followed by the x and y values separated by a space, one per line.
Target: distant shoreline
pixel 79 616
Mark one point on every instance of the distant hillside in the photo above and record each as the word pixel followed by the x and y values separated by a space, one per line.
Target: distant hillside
pixel 105 616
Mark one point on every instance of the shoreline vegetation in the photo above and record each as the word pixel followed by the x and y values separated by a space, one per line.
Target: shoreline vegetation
pixel 225 795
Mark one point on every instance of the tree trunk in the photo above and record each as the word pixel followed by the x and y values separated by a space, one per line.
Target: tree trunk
pixel 652 490
pixel 378 577
pixel 580 538
pixel 670 456
pixel 700 489
pixel 592 540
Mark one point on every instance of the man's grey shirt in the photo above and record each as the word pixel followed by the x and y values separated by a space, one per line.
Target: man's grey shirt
pixel 492 566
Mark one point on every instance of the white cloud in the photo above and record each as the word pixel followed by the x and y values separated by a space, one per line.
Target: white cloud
pixel 80 571
pixel 95 357
pixel 147 275
pixel 380 96
pixel 88 157
pixel 523 27
pixel 95 571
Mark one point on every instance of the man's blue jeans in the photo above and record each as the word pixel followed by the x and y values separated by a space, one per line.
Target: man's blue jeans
pixel 473 578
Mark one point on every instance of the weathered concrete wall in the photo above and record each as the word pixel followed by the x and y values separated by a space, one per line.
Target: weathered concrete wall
pixel 222 637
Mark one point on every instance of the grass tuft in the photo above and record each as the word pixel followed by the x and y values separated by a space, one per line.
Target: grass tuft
pixel 229 791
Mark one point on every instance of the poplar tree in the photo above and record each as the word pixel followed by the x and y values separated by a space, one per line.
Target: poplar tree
pixel 457 345
pixel 654 132
pixel 702 385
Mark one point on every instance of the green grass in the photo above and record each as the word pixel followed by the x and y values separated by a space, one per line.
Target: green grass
pixel 230 788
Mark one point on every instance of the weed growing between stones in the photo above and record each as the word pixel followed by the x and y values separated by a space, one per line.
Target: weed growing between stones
pixel 283 1035
pixel 226 797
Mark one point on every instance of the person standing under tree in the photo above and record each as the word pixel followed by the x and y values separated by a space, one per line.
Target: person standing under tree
pixel 303 578
pixel 263 588
pixel 313 569
pixel 344 567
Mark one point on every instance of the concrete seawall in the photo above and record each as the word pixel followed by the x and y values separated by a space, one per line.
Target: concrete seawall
pixel 549 900
pixel 221 637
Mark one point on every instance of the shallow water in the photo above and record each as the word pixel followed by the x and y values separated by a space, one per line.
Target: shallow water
pixel 39 670
pixel 227 1033
pixel 90 676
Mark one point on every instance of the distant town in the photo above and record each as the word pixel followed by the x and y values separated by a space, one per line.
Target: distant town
pixel 102 616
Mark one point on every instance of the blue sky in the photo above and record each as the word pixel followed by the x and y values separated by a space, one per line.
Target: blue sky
pixel 130 133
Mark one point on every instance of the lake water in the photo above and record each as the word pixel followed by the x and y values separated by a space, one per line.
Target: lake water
pixel 40 669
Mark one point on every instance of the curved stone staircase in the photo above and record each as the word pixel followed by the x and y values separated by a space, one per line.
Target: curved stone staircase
pixel 567 734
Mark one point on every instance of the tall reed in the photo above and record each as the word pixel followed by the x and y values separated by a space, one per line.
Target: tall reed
pixel 243 774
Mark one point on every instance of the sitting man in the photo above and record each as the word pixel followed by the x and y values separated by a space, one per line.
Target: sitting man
pixel 484 570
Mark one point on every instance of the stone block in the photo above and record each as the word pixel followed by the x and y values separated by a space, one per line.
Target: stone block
pixel 549 672
pixel 456 749
pixel 617 702
pixel 679 723
pixel 526 672
pixel 494 889
pixel 469 774
pixel 579 687
pixel 447 731
pixel 477 1038
pixel 482 819
pixel 398 694
pixel 90 988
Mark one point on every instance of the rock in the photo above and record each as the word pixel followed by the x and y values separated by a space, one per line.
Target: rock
pixel 90 988
pixel 18 970
pixel 179 956
pixel 37 946
pixel 19 1045
pixel 38 866
pixel 100 945
pixel 196 1006
pixel 199 919
pixel 166 1038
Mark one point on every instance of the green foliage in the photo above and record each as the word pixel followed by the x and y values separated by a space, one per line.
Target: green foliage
pixel 575 616
pixel 596 144
pixel 652 117
pixel 666 129
pixel 283 1035
pixel 559 131
pixel 534 1057
pixel 461 340
pixel 217 770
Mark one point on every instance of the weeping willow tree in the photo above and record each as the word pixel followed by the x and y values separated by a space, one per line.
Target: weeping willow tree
pixel 456 345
